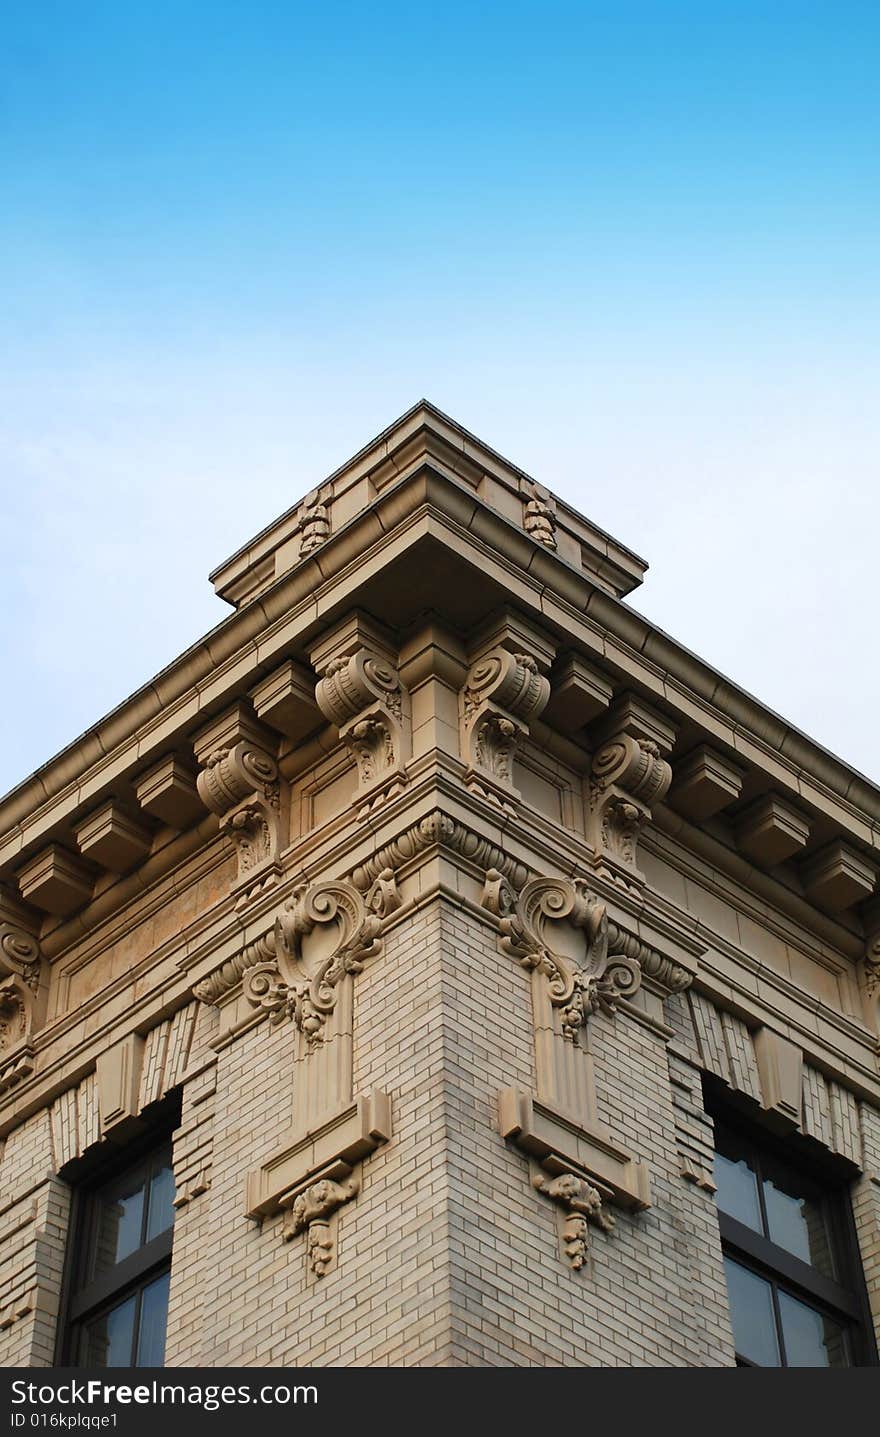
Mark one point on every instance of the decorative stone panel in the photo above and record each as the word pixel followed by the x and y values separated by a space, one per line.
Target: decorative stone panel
pixel 314 521
pixel 558 931
pixel 304 972
pixel 539 513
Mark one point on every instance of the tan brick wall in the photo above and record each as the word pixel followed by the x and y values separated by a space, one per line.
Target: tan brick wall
pixel 447 1256
pixel 240 1295
pixel 33 1233
pixel 655 1293
pixel 866 1209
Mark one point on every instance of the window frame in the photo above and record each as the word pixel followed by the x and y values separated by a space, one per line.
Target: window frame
pixel 826 1182
pixel 82 1301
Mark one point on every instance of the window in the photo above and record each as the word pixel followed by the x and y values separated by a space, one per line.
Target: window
pixel 793 1277
pixel 120 1264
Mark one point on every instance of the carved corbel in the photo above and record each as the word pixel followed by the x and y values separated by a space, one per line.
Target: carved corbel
pixel 16 1026
pixel 361 693
pixel 871 966
pixel 323 937
pixel 22 997
pixel 628 775
pixel 239 781
pixel 580 1204
pixel 313 1212
pixel 20 955
pixel 503 690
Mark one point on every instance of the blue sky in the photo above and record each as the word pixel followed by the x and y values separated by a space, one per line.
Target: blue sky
pixel 632 246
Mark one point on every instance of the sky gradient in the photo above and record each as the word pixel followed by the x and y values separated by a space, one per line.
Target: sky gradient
pixel 632 246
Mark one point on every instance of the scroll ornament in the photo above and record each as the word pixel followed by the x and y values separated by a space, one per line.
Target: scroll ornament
pixel 19 955
pixel 16 1012
pixel 598 980
pixel 285 987
pixel 872 966
pixel 212 989
pixel 438 829
pixel 20 967
pixel 628 776
pixel 501 693
pixel 242 785
pixel 362 695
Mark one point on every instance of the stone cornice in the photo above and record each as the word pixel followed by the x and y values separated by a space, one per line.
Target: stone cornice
pixel 429 507
pixel 244 647
pixel 424 431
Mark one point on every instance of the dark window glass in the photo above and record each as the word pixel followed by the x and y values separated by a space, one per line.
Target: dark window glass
pixel 751 1310
pixel 812 1339
pixel 793 1278
pixel 738 1190
pixel 107 1339
pixel 154 1311
pixel 797 1223
pixel 118 1223
pixel 161 1213
pixel 118 1304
